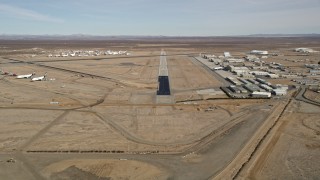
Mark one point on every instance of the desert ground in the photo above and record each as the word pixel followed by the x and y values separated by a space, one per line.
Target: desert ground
pixel 98 117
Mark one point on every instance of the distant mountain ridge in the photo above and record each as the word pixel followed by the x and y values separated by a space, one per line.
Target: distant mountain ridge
pixel 131 37
pixel 285 35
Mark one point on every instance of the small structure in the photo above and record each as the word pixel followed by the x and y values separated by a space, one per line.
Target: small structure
pixel 273 76
pixel 242 90
pixel 305 50
pixel 234 89
pixel 246 75
pixel 259 73
pixel 279 92
pixel 312 66
pixel 314 71
pixel 252 58
pixel 259 52
pixel 208 56
pixel 261 94
pixel 11 160
pixel 233 81
pixel 234 60
pixel 218 68
pixel 227 54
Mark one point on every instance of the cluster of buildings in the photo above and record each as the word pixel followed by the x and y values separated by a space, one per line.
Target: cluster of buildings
pixel 314 69
pixel 81 53
pixel 246 67
pixel 253 88
pixel 248 75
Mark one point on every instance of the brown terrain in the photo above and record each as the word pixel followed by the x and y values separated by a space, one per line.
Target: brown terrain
pixel 97 117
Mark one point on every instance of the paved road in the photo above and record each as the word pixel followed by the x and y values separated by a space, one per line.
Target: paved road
pixel 300 96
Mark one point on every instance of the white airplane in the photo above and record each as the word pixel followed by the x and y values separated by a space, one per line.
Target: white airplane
pixel 25 76
pixel 41 78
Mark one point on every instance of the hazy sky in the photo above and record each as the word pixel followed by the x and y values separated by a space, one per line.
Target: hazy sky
pixel 159 17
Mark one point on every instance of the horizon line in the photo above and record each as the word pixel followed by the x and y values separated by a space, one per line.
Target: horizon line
pixel 93 35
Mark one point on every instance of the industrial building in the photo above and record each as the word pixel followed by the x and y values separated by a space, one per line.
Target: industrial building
pixel 253 81
pixel 273 76
pixel 252 88
pixel 238 70
pixel 308 82
pixel 312 66
pixel 249 81
pixel 233 81
pixel 246 75
pixel 305 50
pixel 266 87
pixel 259 73
pixel 252 58
pixel 261 94
pixel 208 56
pixel 314 71
pixel 259 52
pixel 234 60
pixel 279 92
pixel 234 89
pixel 227 54
pixel 244 81
pixel 261 81
pixel 242 90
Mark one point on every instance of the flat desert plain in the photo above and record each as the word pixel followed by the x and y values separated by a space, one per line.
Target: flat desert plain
pixel 99 117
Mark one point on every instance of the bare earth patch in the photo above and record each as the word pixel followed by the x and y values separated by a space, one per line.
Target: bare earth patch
pixel 104 168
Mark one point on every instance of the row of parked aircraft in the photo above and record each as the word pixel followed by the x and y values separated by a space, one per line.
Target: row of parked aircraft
pixel 88 53
pixel 31 76
pixel 28 76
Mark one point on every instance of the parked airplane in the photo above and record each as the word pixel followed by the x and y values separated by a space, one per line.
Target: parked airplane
pixel 25 76
pixel 41 78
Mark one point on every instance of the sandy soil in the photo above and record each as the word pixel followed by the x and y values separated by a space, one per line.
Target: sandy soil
pixel 108 169
pixel 312 95
pixel 293 150
pixel 17 128
pixel 185 75
pixel 108 125
pixel 167 124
